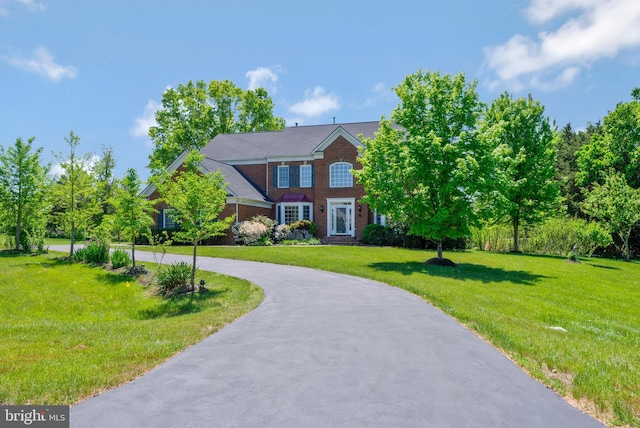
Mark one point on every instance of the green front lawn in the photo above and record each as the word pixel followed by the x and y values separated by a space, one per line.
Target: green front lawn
pixel 513 301
pixel 69 330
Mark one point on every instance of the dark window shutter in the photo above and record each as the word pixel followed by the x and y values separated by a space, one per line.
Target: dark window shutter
pixel 313 175
pixel 294 176
pixel 275 176
pixel 161 219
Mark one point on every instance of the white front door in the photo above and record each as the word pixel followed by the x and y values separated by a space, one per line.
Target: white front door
pixel 341 217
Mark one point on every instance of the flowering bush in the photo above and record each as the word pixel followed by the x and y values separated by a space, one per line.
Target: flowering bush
pixel 269 223
pixel 282 232
pixel 250 232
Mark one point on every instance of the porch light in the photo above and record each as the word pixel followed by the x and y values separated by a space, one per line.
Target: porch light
pixel 359 208
pixel 321 208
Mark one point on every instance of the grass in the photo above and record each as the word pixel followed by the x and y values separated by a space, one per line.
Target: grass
pixel 70 331
pixel 512 301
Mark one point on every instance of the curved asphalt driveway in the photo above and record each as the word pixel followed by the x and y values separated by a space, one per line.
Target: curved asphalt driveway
pixel 330 350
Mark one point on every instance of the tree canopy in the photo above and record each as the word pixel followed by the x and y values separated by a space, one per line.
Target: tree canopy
pixel 132 210
pixel 616 205
pixel 421 166
pixel 23 189
pixel 193 113
pixel 74 193
pixel 617 148
pixel 523 188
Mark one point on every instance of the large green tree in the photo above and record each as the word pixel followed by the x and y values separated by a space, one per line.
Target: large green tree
pixel 617 148
pixel 569 144
pixel 198 198
pixel 616 205
pixel 132 210
pixel 423 165
pixel 74 193
pixel 524 190
pixel 193 113
pixel 23 189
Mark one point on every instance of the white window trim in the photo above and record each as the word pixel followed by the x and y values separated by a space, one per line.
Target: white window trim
pixel 380 219
pixel 300 205
pixel 331 185
pixel 284 185
pixel 306 167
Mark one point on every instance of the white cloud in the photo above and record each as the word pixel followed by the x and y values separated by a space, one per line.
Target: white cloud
pixel 379 87
pixel 31 5
pixel 263 77
pixel 42 62
pixel 380 93
pixel 316 102
pixel 57 170
pixel 147 120
pixel 597 29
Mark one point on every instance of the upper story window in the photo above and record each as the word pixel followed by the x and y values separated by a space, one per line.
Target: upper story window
pixel 283 176
pixel 340 175
pixel 286 176
pixel 306 174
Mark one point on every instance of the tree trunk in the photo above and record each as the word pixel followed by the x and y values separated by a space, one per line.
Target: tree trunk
pixel 73 238
pixel 193 267
pixel 516 224
pixel 440 250
pixel 133 251
pixel 627 250
pixel 18 233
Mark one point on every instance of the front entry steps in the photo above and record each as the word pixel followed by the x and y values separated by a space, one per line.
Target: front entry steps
pixel 339 240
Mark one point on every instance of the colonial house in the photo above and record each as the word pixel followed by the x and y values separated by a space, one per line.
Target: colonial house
pixel 301 172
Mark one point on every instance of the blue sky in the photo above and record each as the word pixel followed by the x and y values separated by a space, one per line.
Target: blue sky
pixel 99 68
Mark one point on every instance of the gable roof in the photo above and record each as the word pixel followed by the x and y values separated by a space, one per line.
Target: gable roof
pixel 297 141
pixel 237 184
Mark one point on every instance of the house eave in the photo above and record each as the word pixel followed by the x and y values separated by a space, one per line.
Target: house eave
pixel 249 202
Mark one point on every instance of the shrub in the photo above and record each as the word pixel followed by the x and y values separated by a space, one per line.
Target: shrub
pixel 306 228
pixel 591 235
pixel 251 233
pixel 281 232
pixel 269 223
pixel 376 234
pixel 171 278
pixel 35 240
pixel 93 252
pixel 120 258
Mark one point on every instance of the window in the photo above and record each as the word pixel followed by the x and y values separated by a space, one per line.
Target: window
pixel 283 176
pixel 167 219
pixel 306 174
pixel 340 175
pixel 292 212
pixel 379 218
